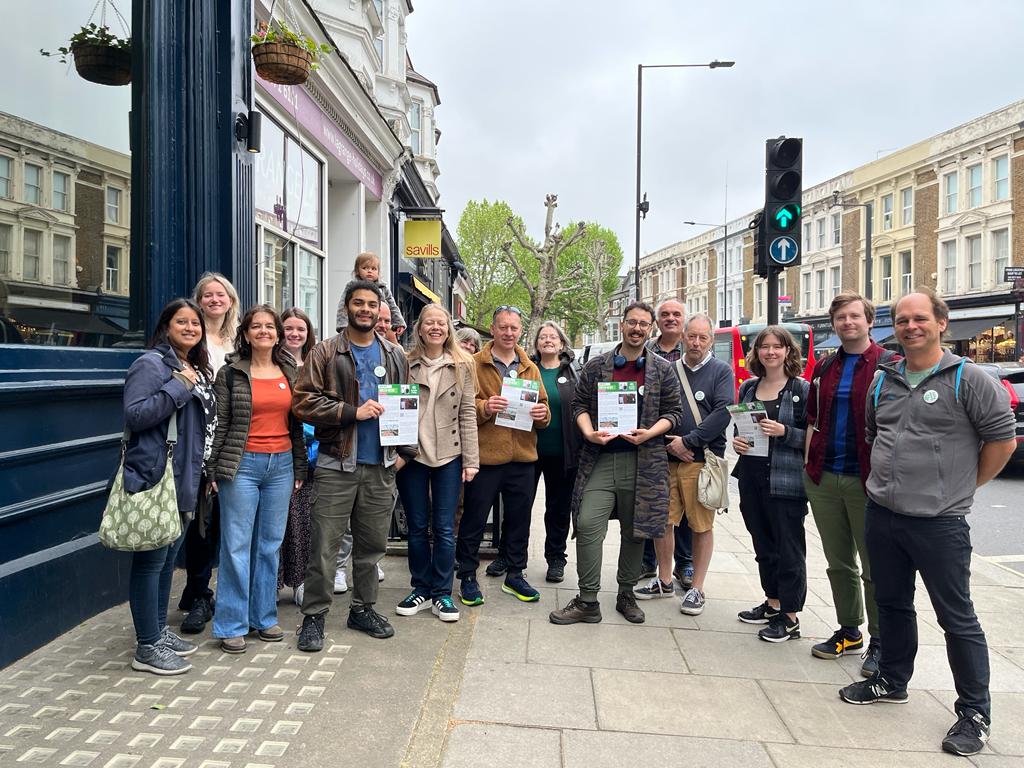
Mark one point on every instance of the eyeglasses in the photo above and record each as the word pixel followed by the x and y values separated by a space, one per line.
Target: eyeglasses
pixel 643 325
pixel 506 308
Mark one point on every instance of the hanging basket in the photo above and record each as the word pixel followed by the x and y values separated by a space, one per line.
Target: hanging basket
pixel 282 63
pixel 103 64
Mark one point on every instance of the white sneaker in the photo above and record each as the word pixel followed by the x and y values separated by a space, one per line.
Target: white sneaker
pixel 380 573
pixel 340 582
pixel 297 594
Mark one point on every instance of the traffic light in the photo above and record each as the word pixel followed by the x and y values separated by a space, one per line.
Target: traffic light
pixel 783 191
pixel 756 225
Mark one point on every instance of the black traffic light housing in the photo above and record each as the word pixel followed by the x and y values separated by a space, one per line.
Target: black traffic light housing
pixel 756 226
pixel 783 193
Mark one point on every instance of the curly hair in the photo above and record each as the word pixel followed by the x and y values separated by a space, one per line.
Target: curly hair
pixel 793 366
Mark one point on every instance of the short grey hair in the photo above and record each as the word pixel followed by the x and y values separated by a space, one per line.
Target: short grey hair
pixel 701 317
pixel 465 333
pixel 555 327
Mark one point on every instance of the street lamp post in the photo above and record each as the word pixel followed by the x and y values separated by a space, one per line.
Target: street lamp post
pixel 868 233
pixel 642 206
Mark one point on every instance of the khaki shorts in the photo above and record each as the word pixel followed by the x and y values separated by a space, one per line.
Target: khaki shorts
pixel 682 497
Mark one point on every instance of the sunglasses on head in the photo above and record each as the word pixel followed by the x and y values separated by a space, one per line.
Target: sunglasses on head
pixel 506 308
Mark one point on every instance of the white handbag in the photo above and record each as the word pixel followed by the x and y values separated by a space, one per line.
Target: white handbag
pixel 713 482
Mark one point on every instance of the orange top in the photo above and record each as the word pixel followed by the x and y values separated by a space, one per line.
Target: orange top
pixel 268 430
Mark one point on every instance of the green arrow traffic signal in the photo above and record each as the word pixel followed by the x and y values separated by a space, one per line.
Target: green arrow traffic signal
pixel 785 216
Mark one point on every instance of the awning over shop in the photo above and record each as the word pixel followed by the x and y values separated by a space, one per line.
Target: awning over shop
pixel 418 288
pixel 65 320
pixel 962 330
pixel 832 342
pixel 422 288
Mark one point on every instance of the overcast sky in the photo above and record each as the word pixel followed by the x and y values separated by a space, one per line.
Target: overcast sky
pixel 539 96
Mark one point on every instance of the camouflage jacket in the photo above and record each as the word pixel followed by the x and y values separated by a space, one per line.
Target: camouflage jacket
pixel 660 401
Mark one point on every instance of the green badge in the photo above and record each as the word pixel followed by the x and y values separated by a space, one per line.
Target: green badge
pixel 930 396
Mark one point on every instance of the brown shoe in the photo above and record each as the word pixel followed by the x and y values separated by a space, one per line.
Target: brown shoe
pixel 233 645
pixel 625 604
pixel 576 611
pixel 272 634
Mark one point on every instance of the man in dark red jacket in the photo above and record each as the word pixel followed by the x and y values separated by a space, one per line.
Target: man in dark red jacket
pixel 838 464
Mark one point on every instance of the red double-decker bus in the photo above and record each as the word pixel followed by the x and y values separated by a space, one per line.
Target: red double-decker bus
pixel 733 345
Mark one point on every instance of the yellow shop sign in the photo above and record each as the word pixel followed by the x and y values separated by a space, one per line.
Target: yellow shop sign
pixel 422 239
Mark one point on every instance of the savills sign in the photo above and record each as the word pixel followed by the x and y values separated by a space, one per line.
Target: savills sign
pixel 422 239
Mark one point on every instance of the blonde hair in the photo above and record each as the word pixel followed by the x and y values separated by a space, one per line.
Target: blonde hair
pixel 451 345
pixel 229 328
pixel 364 259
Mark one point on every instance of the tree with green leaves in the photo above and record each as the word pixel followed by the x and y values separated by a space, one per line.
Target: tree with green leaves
pixel 596 258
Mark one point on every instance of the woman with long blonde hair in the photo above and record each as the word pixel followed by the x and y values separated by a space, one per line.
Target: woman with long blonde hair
pixel 448 456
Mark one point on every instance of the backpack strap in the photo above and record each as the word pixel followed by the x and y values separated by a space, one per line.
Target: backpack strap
pixel 878 387
pixel 959 373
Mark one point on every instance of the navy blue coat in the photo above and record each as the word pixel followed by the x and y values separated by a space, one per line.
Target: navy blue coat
pixel 151 395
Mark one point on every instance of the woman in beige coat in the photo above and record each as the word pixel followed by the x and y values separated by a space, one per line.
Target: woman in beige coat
pixel 448 456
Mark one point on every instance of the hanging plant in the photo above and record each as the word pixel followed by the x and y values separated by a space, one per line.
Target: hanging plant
pixel 100 56
pixel 282 56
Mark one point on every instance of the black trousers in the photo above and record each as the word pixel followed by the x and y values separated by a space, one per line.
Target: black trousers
pixel 515 482
pixel 776 526
pixel 558 484
pixel 200 555
pixel 939 548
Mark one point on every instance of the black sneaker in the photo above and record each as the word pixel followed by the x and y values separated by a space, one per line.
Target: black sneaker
pixel 657 588
pixel 625 603
pixel 413 604
pixel 968 734
pixel 520 589
pixel 841 643
pixel 575 611
pixel 497 566
pixel 874 689
pixel 469 592
pixel 198 615
pixel 871 658
pixel 780 629
pixel 761 614
pixel 556 573
pixel 369 621
pixel 311 636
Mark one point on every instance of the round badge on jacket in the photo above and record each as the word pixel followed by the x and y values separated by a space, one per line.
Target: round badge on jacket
pixel 930 396
pixel 641 390
pixel 281 385
pixel 562 380
pixel 698 395
pixel 513 375
pixel 796 398
pixel 379 371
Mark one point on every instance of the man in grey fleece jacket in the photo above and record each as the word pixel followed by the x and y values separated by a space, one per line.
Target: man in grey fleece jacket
pixel 939 428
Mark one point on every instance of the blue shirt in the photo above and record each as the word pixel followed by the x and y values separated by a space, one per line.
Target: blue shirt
pixel 368 450
pixel 841 450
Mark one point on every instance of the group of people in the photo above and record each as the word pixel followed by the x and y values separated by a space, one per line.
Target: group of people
pixel 888 451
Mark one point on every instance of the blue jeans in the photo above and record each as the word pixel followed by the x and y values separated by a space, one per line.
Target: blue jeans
pixel 149 590
pixel 253 515
pixel 431 568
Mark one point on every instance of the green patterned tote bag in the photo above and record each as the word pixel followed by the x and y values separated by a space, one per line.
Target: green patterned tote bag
pixel 147 520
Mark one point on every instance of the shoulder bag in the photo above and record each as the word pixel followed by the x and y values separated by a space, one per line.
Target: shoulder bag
pixel 713 482
pixel 147 520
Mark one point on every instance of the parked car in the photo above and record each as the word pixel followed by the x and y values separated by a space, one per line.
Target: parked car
pixel 1011 376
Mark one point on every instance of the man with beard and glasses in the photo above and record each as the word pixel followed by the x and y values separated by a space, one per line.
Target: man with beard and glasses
pixel 355 475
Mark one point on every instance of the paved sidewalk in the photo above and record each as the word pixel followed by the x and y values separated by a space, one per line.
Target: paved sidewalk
pixel 503 686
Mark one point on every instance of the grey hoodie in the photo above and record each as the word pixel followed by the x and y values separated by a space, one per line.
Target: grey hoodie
pixel 925 441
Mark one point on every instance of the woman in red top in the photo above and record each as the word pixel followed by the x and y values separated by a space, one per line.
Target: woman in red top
pixel 258 458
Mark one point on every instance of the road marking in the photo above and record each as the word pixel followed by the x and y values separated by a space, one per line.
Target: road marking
pixel 1005 558
pixel 998 506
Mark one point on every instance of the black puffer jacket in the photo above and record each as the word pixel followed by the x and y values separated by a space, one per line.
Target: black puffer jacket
pixel 234 414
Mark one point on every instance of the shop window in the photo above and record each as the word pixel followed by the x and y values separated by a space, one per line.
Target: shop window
pixel 61 184
pixel 61 260
pixel 309 286
pixel 277 266
pixel 1000 253
pixel 33 184
pixel 1001 178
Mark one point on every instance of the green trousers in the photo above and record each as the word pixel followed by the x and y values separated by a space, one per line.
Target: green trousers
pixel 611 487
pixel 837 504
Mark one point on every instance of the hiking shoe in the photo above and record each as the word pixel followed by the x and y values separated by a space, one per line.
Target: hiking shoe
pixel 657 588
pixel 497 566
pixel 180 646
pixel 273 634
pixel 311 636
pixel 159 659
pixel 684 576
pixel 367 620
pixel 693 602
pixel 840 643
pixel 469 592
pixel 198 615
pixel 520 588
pixel 340 582
pixel 625 603
pixel 871 658
pixel 648 571
pixel 575 611
pixel 412 604
pixel 233 644
pixel 871 690
pixel 297 594
pixel 761 614
pixel 556 573
pixel 444 608
pixel 968 734
pixel 780 629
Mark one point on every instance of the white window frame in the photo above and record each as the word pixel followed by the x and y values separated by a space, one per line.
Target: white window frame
pixel 951 192
pixel 6 236
pixel 1001 184
pixel 972 247
pixel 837 229
pixel 819 287
pixel 759 300
pixel 37 255
pixel 837 280
pixel 112 275
pixel 112 210
pixel 886 274
pixel 887 208
pixel 820 232
pixel 1000 255
pixel 906 275
pixel 806 279
pixel 66 261
pixel 37 197
pixel 975 182
pixel 808 231
pixel 907 206
pixel 7 180
pixel 416 126
pixel 949 256
pixel 65 194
